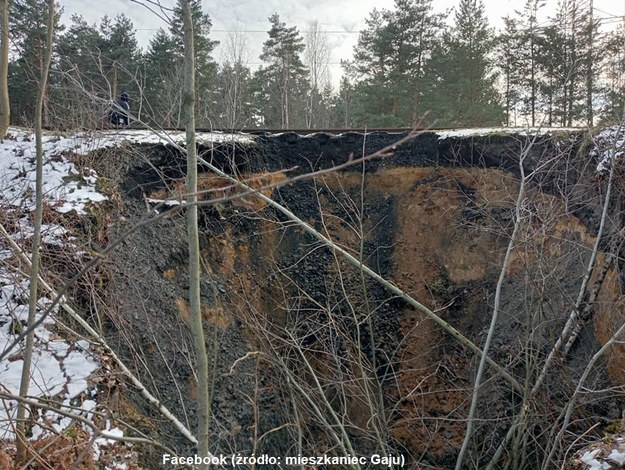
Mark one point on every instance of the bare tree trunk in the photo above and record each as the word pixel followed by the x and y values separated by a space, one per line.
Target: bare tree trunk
pixel 115 92
pixel 45 113
pixel 533 80
pixel 572 79
pixel 5 109
pixel 34 271
pixel 589 68
pixel 317 59
pixel 285 98
pixel 192 231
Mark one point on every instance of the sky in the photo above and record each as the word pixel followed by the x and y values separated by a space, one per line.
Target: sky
pixel 342 19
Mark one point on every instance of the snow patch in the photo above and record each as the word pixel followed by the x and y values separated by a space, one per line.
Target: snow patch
pixel 58 369
pixel 61 370
pixel 115 138
pixel 609 145
pixel 593 464
pixel 483 131
pixel 616 456
pixel 64 187
pixel 165 202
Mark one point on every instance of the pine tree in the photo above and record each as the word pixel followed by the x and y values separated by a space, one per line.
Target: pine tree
pixel 464 80
pixel 590 56
pixel 78 48
pixel 120 53
pixel 326 107
pixel 162 67
pixel 27 26
pixel 343 105
pixel 372 94
pixel 529 57
pixel 78 66
pixel 508 57
pixel 94 62
pixel 552 56
pixel 566 58
pixel 390 62
pixel 233 93
pixel 282 85
pixel 233 97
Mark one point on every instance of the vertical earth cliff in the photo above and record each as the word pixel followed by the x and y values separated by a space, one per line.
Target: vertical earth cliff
pixel 309 356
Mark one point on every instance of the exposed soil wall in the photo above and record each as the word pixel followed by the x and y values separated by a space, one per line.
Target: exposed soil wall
pixel 287 319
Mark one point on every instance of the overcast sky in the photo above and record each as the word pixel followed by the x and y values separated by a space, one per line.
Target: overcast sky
pixel 341 18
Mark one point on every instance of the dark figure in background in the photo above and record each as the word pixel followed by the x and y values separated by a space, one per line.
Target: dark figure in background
pixel 118 113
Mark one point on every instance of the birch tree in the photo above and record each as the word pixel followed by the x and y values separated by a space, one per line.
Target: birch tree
pixel 316 58
pixel 193 234
pixel 34 272
pixel 233 82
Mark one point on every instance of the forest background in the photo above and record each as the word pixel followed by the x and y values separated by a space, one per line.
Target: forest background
pixel 566 70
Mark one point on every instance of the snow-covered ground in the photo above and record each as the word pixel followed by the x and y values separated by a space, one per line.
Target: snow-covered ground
pixel 60 369
pixel 64 187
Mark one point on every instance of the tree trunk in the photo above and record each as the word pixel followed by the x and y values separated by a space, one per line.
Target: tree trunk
pixel 114 91
pixel 22 454
pixel 533 81
pixel 193 235
pixel 507 92
pixel 5 109
pixel 285 99
pixel 572 75
pixel 589 68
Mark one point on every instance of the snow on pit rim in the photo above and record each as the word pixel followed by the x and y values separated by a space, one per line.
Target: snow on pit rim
pixel 111 138
pixel 484 131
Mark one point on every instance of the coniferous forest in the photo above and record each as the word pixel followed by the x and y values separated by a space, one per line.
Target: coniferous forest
pixel 563 69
